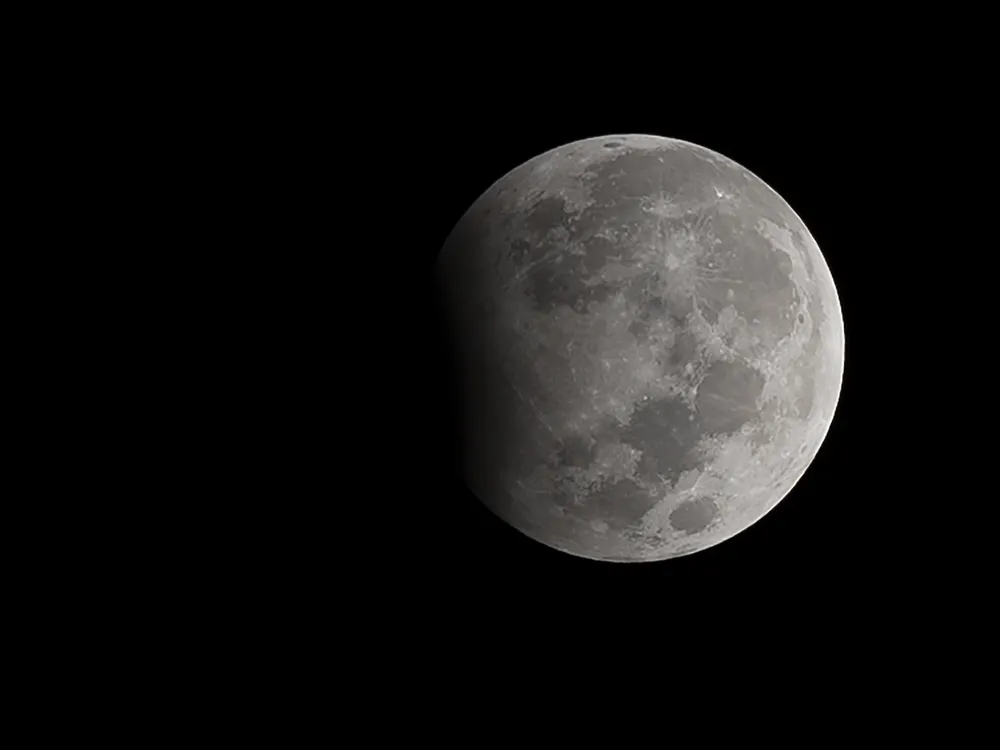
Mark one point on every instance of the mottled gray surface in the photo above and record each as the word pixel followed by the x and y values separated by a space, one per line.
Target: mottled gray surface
pixel 653 347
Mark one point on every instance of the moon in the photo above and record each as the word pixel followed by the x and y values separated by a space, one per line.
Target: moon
pixel 650 346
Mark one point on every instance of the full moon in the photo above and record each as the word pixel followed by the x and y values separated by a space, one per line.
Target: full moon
pixel 650 344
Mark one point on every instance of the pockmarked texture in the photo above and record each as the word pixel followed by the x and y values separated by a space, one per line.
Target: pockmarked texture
pixel 651 343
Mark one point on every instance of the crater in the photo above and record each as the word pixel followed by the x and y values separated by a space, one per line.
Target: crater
pixel 612 144
pixel 693 516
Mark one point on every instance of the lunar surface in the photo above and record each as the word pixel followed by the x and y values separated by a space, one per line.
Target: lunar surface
pixel 651 347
